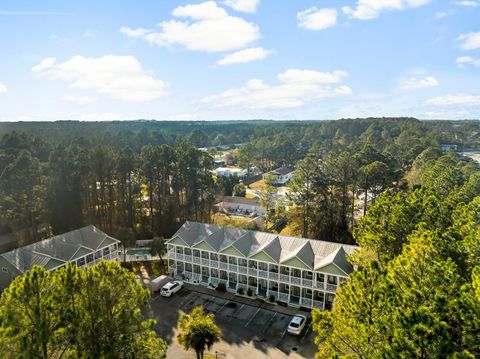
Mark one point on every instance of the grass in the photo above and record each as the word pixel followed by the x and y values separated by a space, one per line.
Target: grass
pixel 221 219
pixel 250 196
pixel 259 185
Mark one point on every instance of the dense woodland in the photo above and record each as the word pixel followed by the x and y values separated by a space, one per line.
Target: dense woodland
pixel 150 177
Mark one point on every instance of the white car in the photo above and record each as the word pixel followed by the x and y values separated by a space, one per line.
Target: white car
pixel 171 288
pixel 297 324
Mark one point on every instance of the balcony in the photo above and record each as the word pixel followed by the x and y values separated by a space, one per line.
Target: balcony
pixel 171 269
pixel 295 280
pixel 273 276
pixel 242 269
pixel 179 257
pixel 205 262
pixel 263 274
pixel 318 304
pixel 253 271
pixel 187 275
pixel 232 267
pixel 188 258
pixel 306 302
pixel 171 254
pixel 284 278
pixel 213 264
pixel 196 260
pixel 272 292
pixel 319 285
pixel 331 287
pixel 307 282
pixel 224 265
pixel 283 297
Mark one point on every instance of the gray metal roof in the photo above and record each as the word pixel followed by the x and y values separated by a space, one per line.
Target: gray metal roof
pixel 58 249
pixel 313 253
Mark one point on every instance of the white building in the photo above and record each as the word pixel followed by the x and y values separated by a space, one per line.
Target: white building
pixel 230 171
pixel 84 246
pixel 241 206
pixel 281 175
pixel 296 271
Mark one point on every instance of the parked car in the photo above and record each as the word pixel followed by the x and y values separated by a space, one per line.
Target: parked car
pixel 171 288
pixel 159 282
pixel 297 324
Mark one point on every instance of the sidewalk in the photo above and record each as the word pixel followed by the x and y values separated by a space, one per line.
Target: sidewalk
pixel 254 302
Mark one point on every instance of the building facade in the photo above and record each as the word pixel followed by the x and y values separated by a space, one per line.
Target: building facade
pixel 296 271
pixel 84 246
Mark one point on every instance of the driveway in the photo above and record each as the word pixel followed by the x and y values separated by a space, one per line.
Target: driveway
pixel 248 331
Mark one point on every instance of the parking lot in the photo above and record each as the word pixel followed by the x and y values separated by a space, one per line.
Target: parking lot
pixel 248 331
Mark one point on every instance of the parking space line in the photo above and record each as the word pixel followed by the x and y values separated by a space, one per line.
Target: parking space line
pixel 269 321
pixel 306 332
pixel 253 316
pixel 236 312
pixel 222 307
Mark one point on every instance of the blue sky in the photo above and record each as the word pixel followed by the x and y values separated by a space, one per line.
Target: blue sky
pixel 239 59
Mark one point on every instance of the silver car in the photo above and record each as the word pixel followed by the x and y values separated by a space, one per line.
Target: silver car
pixel 297 324
pixel 171 288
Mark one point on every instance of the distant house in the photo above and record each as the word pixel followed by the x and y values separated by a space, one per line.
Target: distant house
pixel 230 171
pixel 241 206
pixel 219 162
pixel 281 175
pixel 448 147
pixel 84 246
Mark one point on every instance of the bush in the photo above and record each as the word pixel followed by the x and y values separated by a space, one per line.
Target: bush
pixel 272 298
pixel 249 292
pixel 221 287
pixel 240 291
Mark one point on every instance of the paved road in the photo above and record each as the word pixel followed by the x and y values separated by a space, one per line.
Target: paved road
pixel 247 331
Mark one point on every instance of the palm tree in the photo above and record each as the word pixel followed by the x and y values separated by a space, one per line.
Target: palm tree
pixel 198 331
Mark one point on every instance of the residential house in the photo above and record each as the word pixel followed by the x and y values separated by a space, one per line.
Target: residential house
pixel 280 176
pixel 84 246
pixel 241 206
pixel 299 272
pixel 230 171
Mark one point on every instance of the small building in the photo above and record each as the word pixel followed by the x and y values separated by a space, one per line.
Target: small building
pixel 299 272
pixel 241 206
pixel 84 246
pixel 230 172
pixel 281 175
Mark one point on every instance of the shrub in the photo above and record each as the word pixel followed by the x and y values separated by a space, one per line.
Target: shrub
pixel 249 292
pixel 240 291
pixel 221 287
pixel 272 298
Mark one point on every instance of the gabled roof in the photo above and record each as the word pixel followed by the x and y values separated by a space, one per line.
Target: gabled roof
pixel 54 251
pixel 312 253
pixel 283 171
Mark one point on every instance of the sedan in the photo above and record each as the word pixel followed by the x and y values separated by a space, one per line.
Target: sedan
pixel 297 324
pixel 171 288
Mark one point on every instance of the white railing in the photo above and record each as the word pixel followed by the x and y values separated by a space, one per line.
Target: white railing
pixel 319 285
pixel 232 267
pixel 284 278
pixel 272 292
pixel 306 302
pixel 188 275
pixel 273 275
pixel 262 273
pixel 252 271
pixel 214 281
pixel 283 297
pixel 171 269
pixel 171 254
pixel 196 276
pixel 188 258
pixel 179 257
pixel 307 282
pixel 213 263
pixel 331 287
pixel 196 260
pixel 223 265
pixel 242 269
pixel 295 280
pixel 205 262
pixel 318 304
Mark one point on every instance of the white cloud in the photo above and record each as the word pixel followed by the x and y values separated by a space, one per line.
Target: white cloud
pixel 90 33
pixel 470 41
pixel 414 83
pixel 470 3
pixel 463 60
pixel 120 77
pixel 210 29
pixel 461 99
pixel 296 88
pixel 370 9
pixel 243 5
pixel 3 88
pixel 244 56
pixel 317 19
pixel 78 100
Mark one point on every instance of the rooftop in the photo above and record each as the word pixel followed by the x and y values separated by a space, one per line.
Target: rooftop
pixel 283 170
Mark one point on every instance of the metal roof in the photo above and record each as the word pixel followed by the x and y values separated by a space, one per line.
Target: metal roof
pixel 313 253
pixel 56 250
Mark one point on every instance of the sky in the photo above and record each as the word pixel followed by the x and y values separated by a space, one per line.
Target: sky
pixel 239 59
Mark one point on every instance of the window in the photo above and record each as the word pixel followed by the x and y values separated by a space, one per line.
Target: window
pixel 90 258
pixel 106 251
pixel 4 269
pixel 81 261
pixel 98 254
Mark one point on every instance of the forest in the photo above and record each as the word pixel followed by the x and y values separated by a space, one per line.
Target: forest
pixel 149 176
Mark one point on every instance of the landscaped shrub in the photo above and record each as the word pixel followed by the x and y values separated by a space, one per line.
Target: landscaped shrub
pixel 271 298
pixel 249 292
pixel 240 291
pixel 221 287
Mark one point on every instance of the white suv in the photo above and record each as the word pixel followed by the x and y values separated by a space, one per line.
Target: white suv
pixel 297 324
pixel 171 288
